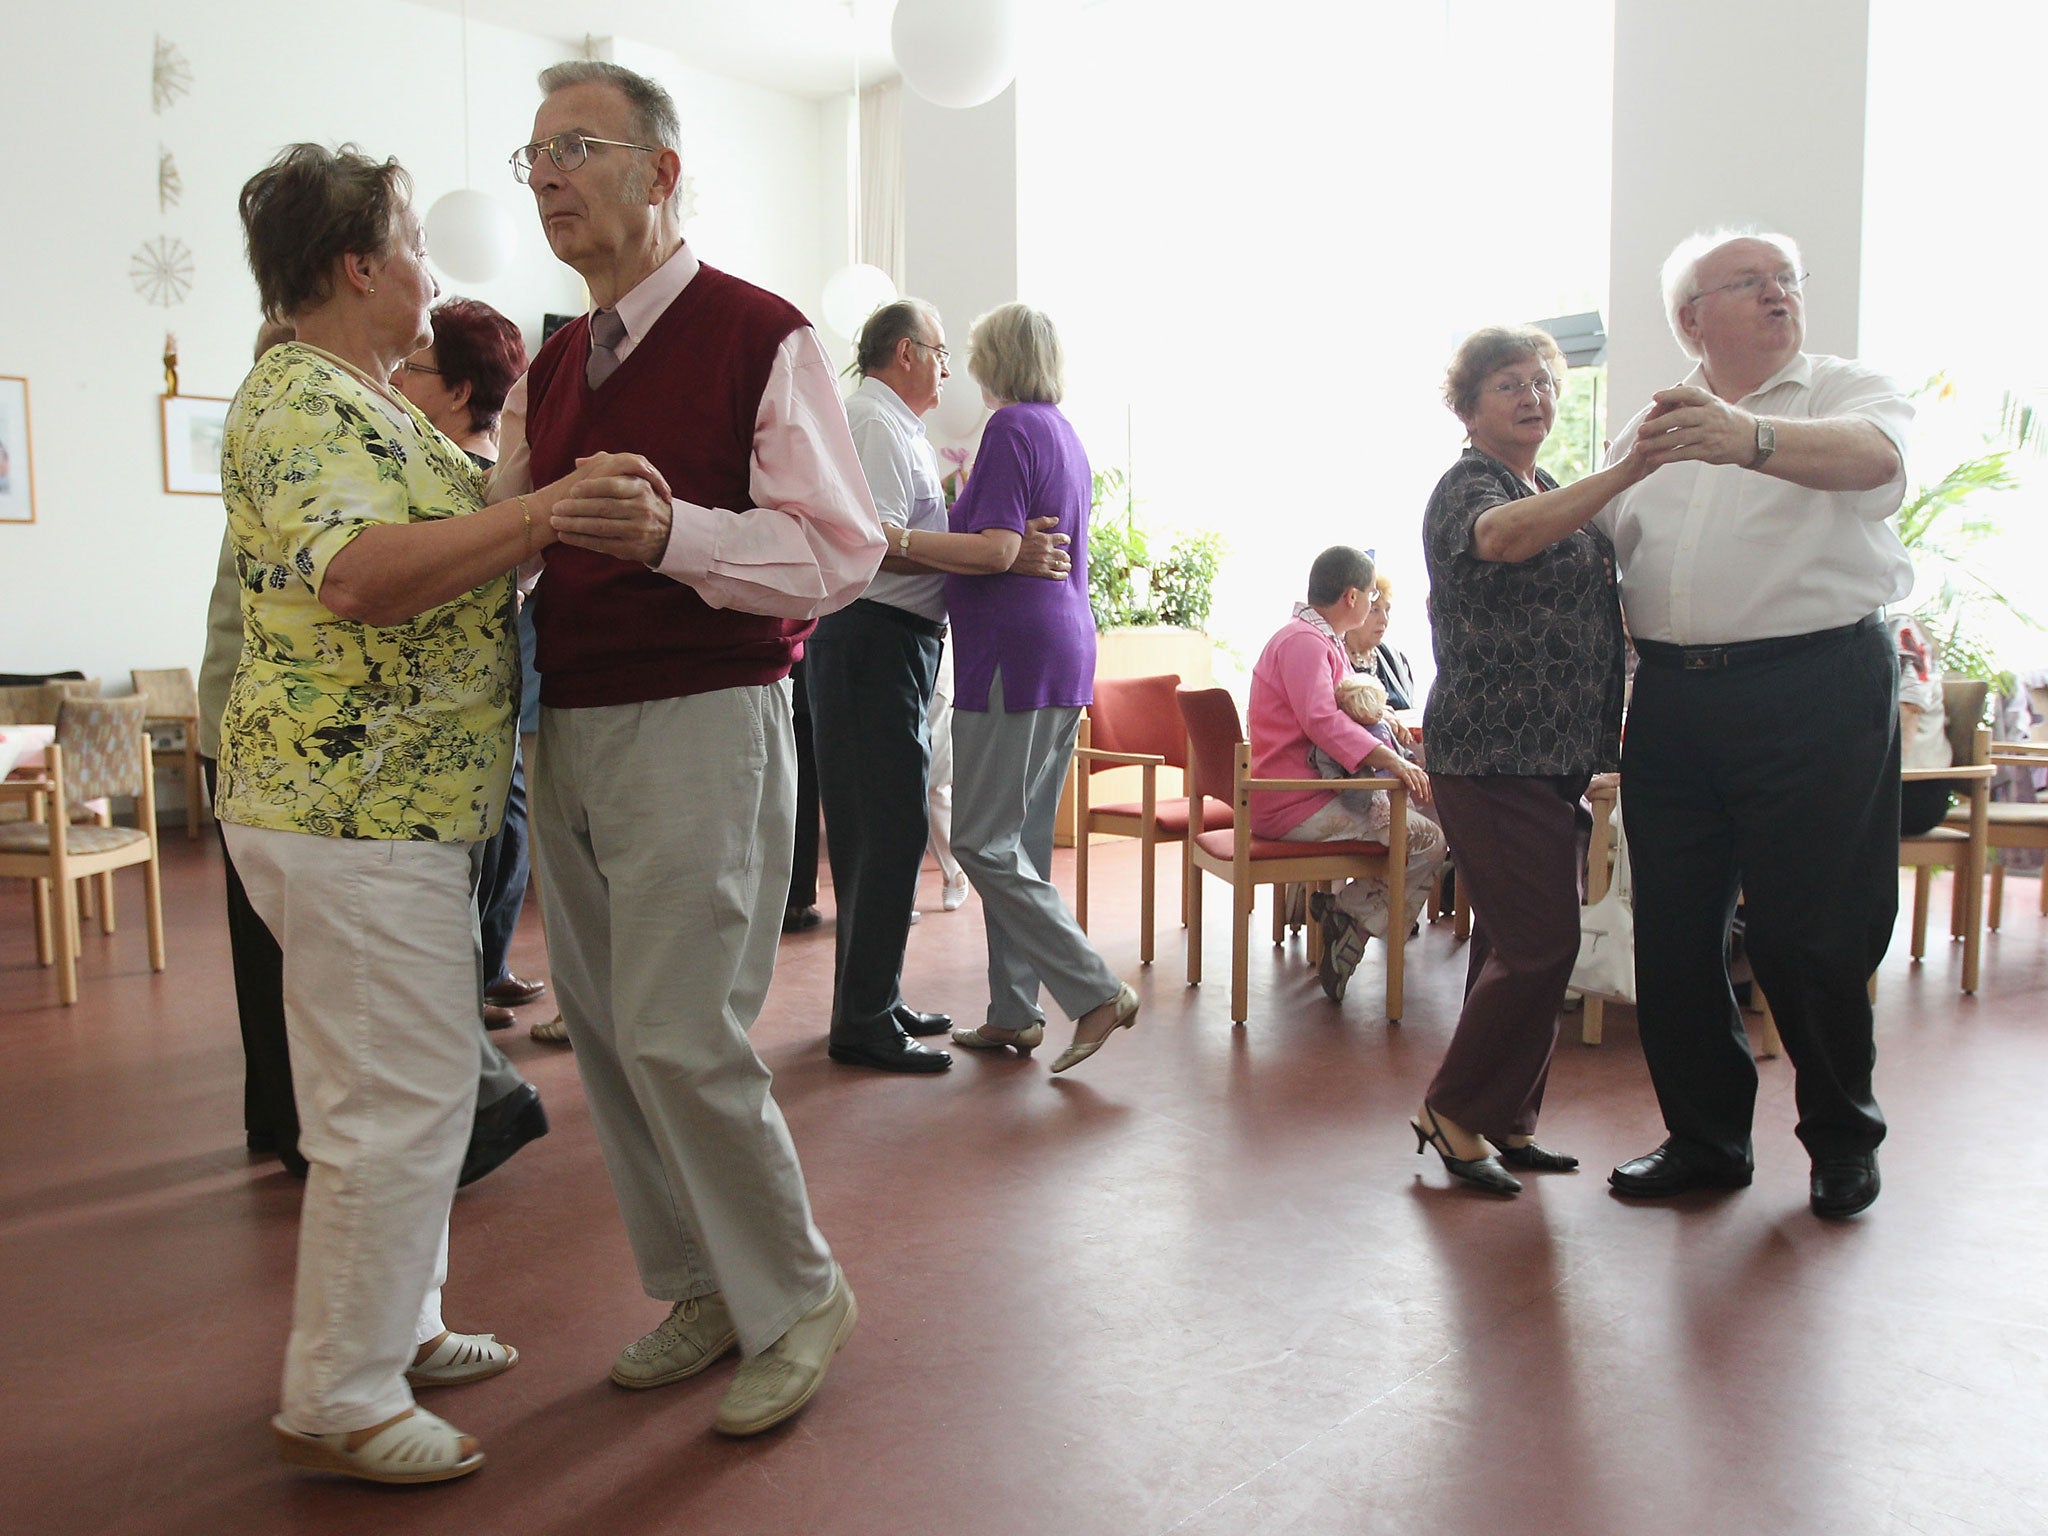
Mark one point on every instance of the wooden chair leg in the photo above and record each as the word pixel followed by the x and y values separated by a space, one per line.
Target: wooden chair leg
pixel 46 951
pixel 1593 1020
pixel 1081 878
pixel 1240 954
pixel 153 913
pixel 1998 893
pixel 107 902
pixel 1279 915
pixel 1397 963
pixel 1958 899
pixel 1147 882
pixel 1772 1045
pixel 1461 914
pixel 1923 878
pixel 1195 879
pixel 193 787
pixel 67 946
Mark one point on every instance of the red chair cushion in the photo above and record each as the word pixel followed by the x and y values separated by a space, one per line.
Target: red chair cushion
pixel 1169 817
pixel 1221 845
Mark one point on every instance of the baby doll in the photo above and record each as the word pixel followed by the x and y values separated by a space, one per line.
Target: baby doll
pixel 1361 696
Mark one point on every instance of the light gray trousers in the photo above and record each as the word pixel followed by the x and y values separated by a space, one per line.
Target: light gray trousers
pixel 663 833
pixel 1006 790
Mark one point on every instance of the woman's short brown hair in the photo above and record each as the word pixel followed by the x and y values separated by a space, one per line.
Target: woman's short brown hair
pixel 306 210
pixel 1494 347
pixel 1016 355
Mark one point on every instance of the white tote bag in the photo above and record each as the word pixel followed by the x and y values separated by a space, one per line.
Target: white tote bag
pixel 1607 933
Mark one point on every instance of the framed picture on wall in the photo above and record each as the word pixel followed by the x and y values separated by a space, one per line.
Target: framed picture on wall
pixel 17 471
pixel 192 433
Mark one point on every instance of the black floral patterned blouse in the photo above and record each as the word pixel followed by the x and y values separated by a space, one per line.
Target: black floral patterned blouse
pixel 1529 655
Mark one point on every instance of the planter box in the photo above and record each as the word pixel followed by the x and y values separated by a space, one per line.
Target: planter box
pixel 1146 651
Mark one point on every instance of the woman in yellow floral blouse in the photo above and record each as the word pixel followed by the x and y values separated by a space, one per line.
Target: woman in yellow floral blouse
pixel 365 754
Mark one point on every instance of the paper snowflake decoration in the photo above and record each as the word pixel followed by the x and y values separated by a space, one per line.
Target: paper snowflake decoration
pixel 162 271
pixel 170 76
pixel 170 186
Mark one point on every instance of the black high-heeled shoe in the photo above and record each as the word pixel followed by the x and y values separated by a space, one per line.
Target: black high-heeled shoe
pixel 1542 1159
pixel 1481 1172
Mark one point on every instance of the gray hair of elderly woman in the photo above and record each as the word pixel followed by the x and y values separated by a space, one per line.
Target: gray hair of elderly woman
pixel 1016 355
pixel 1336 571
pixel 654 110
pixel 306 210
pixel 898 320
pixel 1681 275
pixel 1488 349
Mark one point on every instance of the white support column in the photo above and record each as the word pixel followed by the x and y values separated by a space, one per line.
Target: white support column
pixel 1745 112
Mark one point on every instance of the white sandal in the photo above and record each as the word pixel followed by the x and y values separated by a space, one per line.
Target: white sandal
pixel 419 1448
pixel 462 1357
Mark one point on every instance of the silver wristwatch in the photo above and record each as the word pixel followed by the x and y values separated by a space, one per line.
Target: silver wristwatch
pixel 1766 443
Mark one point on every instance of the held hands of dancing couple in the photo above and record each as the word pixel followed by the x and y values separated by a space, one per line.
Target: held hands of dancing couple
pixel 616 504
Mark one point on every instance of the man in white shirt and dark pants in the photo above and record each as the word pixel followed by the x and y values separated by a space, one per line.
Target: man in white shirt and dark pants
pixel 1761 758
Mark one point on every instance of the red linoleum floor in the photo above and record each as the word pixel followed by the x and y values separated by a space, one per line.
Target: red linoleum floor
pixel 1199 1285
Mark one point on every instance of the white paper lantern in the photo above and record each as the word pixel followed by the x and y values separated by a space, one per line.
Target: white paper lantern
pixel 956 53
pixel 960 410
pixel 469 236
pixel 852 294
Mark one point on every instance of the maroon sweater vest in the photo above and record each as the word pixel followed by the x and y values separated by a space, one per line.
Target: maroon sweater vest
pixel 610 631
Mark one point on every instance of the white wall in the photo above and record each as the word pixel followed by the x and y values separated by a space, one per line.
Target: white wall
pixel 114 574
pixel 1750 113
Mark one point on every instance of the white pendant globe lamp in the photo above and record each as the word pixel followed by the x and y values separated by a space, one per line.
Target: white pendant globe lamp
pixel 956 53
pixel 860 288
pixel 469 233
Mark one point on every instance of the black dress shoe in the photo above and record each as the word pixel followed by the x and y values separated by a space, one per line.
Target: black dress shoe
pixel 915 1023
pixel 513 992
pixel 801 919
pixel 1675 1168
pixel 1542 1159
pixel 502 1129
pixel 893 1052
pixel 1842 1186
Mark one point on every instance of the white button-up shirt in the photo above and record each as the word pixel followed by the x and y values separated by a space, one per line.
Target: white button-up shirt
pixel 903 477
pixel 1714 554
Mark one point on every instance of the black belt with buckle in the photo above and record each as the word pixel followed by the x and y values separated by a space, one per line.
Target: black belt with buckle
pixel 1743 653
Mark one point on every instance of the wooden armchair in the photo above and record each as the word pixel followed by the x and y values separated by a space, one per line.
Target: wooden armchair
pixel 2013 823
pixel 1962 841
pixel 174 708
pixel 1219 759
pixel 101 750
pixel 1135 722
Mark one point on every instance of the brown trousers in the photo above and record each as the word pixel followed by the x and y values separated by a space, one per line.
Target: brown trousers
pixel 1519 844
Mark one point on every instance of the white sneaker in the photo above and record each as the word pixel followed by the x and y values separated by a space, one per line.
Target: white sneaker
pixel 774 1384
pixel 694 1334
pixel 954 895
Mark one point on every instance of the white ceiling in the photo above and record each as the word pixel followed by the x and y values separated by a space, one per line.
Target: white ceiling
pixel 802 46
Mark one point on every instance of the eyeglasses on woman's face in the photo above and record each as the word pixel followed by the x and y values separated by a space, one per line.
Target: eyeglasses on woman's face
pixel 1543 384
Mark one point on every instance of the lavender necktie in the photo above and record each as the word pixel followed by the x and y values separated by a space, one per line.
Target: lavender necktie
pixel 607 330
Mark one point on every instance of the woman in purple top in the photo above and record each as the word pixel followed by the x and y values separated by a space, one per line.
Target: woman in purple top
pixel 1023 669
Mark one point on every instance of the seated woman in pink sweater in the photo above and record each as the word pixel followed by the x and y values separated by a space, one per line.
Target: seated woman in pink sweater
pixel 1294 708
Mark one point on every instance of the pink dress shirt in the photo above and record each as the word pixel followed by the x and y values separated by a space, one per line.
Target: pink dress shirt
pixel 1294 704
pixel 812 541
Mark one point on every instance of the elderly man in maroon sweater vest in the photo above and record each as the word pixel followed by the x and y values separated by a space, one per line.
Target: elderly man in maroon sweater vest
pixel 664 785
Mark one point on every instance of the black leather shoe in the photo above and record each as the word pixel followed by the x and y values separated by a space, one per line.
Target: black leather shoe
pixel 1675 1168
pixel 915 1023
pixel 893 1052
pixel 801 919
pixel 1842 1186
pixel 502 1129
pixel 513 992
pixel 1530 1155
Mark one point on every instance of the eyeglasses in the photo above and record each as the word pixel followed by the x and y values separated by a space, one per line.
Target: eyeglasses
pixel 1749 287
pixel 1543 384
pixel 567 150
pixel 411 367
pixel 944 356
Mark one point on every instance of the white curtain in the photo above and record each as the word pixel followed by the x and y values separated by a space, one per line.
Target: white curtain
pixel 880 237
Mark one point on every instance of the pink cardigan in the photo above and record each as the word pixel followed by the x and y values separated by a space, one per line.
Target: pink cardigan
pixel 1294 703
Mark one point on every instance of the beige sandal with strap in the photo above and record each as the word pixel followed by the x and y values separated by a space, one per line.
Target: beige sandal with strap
pixel 460 1358
pixel 419 1448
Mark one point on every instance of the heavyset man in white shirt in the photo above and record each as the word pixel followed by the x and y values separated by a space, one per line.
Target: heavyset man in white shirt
pixel 1762 751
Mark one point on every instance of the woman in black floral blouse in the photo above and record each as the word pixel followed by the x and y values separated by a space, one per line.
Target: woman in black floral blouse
pixel 1525 709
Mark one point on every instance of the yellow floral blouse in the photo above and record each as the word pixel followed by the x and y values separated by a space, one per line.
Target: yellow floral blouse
pixel 398 732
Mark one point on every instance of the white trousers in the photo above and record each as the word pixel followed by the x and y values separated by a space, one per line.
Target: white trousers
pixel 380 1007
pixel 939 783
pixel 663 833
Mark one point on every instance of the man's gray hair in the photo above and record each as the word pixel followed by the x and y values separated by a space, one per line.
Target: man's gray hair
pixel 1682 269
pixel 899 320
pixel 654 110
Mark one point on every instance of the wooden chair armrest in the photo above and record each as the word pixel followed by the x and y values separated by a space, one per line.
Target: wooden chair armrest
pixel 1122 759
pixel 1389 782
pixel 1954 771
pixel 2037 750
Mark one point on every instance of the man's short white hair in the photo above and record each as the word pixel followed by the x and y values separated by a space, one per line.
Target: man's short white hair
pixel 1682 269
